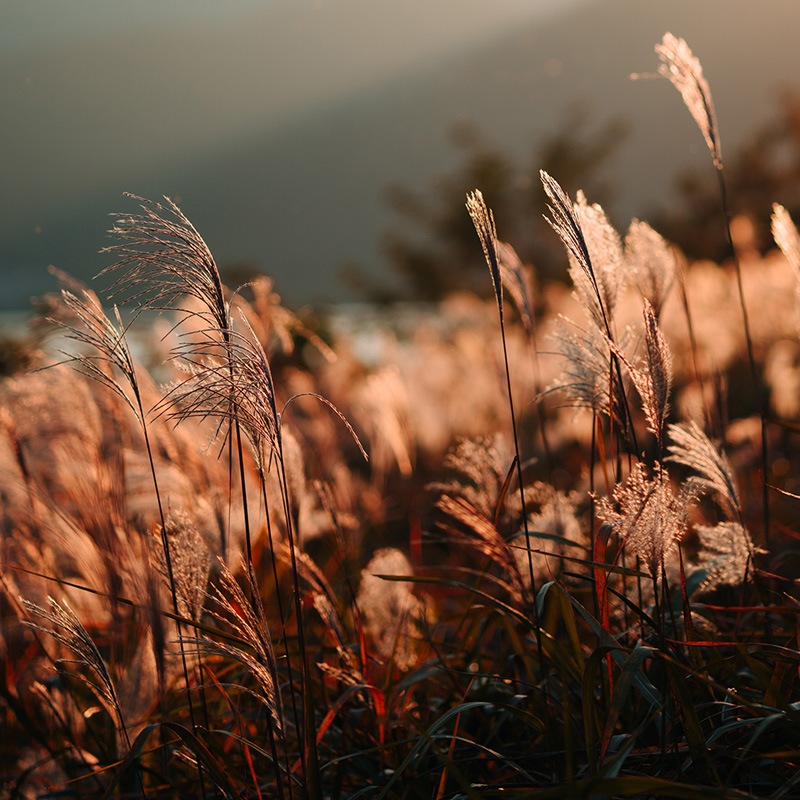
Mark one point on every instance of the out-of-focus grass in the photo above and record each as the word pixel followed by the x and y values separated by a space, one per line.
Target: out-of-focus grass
pixel 208 591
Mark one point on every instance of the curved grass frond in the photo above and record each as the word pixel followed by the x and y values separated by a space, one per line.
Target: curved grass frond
pixel 587 364
pixel 227 382
pixel 518 279
pixel 162 258
pixel 107 341
pixel 607 261
pixel 567 223
pixel 486 539
pixel 483 220
pixel 245 616
pixel 654 381
pixel 692 448
pixel 683 70
pixel 68 629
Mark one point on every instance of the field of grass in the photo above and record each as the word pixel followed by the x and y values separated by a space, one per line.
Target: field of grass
pixel 543 546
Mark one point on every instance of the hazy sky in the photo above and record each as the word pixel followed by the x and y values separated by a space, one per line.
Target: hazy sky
pixel 281 122
pixel 28 24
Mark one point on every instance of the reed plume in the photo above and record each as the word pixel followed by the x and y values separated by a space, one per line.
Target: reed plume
pixel 653 380
pixel 652 262
pixel 66 628
pixel 652 518
pixel 785 234
pixel 163 258
pixel 685 73
pixel 712 470
pixel 244 615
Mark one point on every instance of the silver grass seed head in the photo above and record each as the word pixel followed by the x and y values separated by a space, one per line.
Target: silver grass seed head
pixel 69 631
pixel 565 220
pixel 786 236
pixel 651 518
pixel 726 554
pixel 161 257
pixel 713 472
pixel 652 262
pixel 607 260
pixel 684 71
pixel 652 380
pixel 108 344
pixel 483 220
pixel 246 619
pixel 659 372
pixel 518 279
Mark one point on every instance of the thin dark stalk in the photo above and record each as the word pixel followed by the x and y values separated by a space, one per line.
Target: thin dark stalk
pixel 519 473
pixel 592 518
pixel 750 355
pixel 308 739
pixel 173 590
pixel 242 480
pixel 273 558
pixel 693 346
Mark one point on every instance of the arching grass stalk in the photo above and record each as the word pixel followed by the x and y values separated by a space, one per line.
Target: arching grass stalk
pixel 483 220
pixel 684 71
pixel 597 298
pixel 69 631
pixel 163 261
pixel 518 279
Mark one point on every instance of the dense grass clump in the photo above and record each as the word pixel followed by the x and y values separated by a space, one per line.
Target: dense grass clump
pixel 566 568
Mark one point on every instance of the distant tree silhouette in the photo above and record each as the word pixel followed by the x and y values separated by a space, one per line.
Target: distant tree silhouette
pixel 433 251
pixel 765 170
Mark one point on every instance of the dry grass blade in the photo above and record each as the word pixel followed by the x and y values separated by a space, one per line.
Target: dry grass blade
pixel 162 258
pixel 483 220
pixel 683 70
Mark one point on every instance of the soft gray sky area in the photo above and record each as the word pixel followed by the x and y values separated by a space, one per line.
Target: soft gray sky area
pixel 279 123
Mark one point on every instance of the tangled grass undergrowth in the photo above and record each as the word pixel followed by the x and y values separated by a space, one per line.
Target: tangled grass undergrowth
pixel 567 568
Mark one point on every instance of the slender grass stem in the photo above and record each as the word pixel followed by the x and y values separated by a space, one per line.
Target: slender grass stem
pixel 757 384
